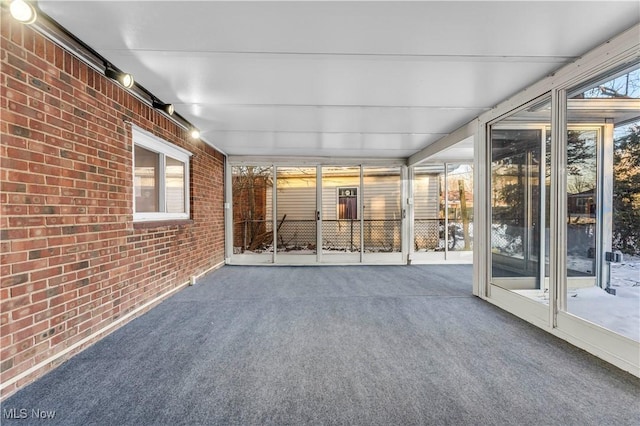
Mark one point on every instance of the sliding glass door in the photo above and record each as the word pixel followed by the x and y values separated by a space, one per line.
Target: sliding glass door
pixel 383 214
pixel 442 213
pixel 296 214
pixel 318 214
pixel 341 214
pixel 603 203
pixel 252 205
pixel 520 182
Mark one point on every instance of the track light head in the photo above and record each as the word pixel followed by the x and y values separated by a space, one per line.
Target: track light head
pixel 23 12
pixel 167 108
pixel 123 78
pixel 195 133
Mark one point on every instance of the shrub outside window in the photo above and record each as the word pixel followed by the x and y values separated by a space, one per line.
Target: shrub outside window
pixel 161 179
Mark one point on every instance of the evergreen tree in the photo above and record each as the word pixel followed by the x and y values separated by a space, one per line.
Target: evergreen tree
pixel 626 197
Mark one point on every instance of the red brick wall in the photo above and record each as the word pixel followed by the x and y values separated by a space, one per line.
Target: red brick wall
pixel 73 261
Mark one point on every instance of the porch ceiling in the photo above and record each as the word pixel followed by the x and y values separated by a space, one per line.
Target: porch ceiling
pixel 338 79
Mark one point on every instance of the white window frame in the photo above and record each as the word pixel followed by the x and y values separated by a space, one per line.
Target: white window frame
pixel 338 188
pixel 165 149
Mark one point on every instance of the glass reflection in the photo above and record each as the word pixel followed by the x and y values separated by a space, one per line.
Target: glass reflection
pixel 296 210
pixel 603 203
pixel 382 209
pixel 519 204
pixel 252 209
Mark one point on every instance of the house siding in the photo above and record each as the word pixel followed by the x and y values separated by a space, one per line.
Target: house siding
pixel 73 260
pixel 427 196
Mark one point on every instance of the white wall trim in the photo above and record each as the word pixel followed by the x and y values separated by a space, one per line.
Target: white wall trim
pixel 241 160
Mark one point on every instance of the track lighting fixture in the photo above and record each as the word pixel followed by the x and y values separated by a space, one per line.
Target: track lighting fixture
pixel 167 108
pixel 121 77
pixel 195 133
pixel 23 11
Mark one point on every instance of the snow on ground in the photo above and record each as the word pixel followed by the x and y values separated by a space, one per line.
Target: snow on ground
pixel 619 313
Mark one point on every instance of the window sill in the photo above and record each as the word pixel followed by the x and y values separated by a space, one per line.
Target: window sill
pixel 147 224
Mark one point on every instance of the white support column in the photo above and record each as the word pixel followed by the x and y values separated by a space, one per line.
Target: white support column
pixel 274 212
pixel 228 212
pixel 481 213
pixel 362 207
pixel 446 211
pixel 410 228
pixel 558 202
pixel 319 214
pixel 604 224
pixel 542 213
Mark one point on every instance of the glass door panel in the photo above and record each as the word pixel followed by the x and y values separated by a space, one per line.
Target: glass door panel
pixel 251 189
pixel 603 203
pixel 581 205
pixel 341 214
pixel 459 207
pixel 296 212
pixel 382 210
pixel 519 205
pixel 429 211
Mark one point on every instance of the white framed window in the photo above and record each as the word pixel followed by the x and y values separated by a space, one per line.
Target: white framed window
pixel 347 203
pixel 160 178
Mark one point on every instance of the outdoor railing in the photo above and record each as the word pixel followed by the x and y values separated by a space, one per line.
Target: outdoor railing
pixel 382 235
pixel 343 235
pixel 430 235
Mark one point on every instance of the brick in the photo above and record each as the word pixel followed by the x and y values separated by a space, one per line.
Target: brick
pixel 28 288
pixel 13 234
pixel 13 187
pixel 46 273
pixel 29 310
pixel 66 193
pixel 14 303
pixel 31 265
pixel 8 280
pixel 29 244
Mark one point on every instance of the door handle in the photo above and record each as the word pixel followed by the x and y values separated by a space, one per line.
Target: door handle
pixel 317 215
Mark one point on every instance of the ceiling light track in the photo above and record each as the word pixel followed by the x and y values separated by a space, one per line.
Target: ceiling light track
pixel 28 13
pixel 166 108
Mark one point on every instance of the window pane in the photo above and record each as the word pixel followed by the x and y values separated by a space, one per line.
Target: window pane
pixel 174 183
pixel 348 203
pixel 603 203
pixel 382 209
pixel 520 167
pixel 460 207
pixel 428 195
pixel 296 210
pixel 146 180
pixel 581 202
pixel 251 188
pixel 624 86
pixel 340 224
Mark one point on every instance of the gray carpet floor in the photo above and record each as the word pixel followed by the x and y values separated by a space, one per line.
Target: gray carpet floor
pixel 362 345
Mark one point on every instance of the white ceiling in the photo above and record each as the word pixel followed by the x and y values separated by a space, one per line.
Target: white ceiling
pixel 338 79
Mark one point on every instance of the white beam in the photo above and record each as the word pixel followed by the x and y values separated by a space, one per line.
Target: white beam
pixel 624 48
pixel 451 139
